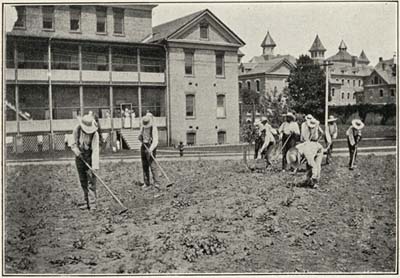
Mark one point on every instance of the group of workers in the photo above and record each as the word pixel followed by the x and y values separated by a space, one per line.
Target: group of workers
pixel 298 146
pixel 301 145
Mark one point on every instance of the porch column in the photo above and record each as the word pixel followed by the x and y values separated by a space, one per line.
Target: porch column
pixel 139 86
pixel 16 85
pixel 113 137
pixel 80 80
pixel 50 97
pixel 167 99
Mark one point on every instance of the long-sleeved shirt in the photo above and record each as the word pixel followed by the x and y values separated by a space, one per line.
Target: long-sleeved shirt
pixel 86 142
pixel 313 153
pixel 269 136
pixel 149 135
pixel 333 130
pixel 289 127
pixel 310 134
pixel 354 135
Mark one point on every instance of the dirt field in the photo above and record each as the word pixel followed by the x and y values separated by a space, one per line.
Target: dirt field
pixel 218 217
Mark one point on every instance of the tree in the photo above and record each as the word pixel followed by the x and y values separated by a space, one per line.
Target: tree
pixel 249 96
pixel 307 87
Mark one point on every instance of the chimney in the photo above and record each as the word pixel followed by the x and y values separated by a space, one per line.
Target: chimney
pixel 353 61
pixel 383 66
pixel 380 59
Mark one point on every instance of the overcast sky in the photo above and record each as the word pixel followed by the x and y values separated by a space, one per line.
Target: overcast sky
pixel 293 26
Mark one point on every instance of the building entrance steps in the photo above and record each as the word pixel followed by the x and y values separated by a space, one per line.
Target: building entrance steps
pixel 130 136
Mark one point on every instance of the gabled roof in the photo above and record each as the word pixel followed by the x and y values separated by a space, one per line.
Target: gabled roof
pixel 268 66
pixel 268 41
pixel 386 73
pixel 341 56
pixel 317 45
pixel 167 30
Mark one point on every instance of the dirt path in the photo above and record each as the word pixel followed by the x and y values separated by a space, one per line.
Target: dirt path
pixel 217 218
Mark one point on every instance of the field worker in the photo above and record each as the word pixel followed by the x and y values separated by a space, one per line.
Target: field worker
pixel 333 132
pixel 269 140
pixel 289 133
pixel 312 152
pixel 310 129
pixel 85 145
pixel 149 139
pixel 304 129
pixel 353 137
pixel 259 137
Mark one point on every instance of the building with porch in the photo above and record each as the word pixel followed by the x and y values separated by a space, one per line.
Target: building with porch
pixel 63 61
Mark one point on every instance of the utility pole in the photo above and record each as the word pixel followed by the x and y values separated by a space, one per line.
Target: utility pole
pixel 326 64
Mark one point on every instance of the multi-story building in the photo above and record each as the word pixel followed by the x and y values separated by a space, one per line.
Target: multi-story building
pixel 203 81
pixel 380 85
pixel 266 74
pixel 346 73
pixel 62 61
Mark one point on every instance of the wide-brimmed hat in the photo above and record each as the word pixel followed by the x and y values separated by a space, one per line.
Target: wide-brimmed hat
pixel 309 117
pixel 88 124
pixel 147 121
pixel 257 122
pixel 292 158
pixel 331 119
pixel 264 119
pixel 312 123
pixel 290 114
pixel 357 124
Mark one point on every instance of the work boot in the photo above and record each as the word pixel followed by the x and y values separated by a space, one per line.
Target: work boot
pixel 85 205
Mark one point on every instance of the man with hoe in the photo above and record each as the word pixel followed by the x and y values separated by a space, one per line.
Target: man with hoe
pixel 289 133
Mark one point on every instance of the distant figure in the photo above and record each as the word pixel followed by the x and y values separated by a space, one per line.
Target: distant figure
pixel 268 142
pixel 353 138
pixel 259 140
pixel 289 133
pixel 127 118
pixel 333 132
pixel 181 148
pixel 40 143
pixel 310 129
pixel 133 116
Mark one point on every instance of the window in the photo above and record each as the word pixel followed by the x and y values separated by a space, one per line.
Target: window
pixel 221 106
pixel 359 83
pixel 21 17
pixel 348 95
pixel 240 85
pixel 191 138
pixel 75 18
pixel 248 84
pixel 392 92
pixel 190 104
pixel 189 56
pixel 118 21
pixel 376 80
pixel 381 93
pixel 221 137
pixel 101 19
pixel 219 65
pixel 342 95
pixel 348 82
pixel 48 17
pixel 258 85
pixel 354 83
pixel 342 81
pixel 204 31
pixel 354 96
pixel 333 92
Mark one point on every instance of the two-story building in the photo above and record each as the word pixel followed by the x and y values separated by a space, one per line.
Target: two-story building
pixel 63 61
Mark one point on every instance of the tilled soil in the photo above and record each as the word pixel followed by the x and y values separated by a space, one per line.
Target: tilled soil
pixel 218 217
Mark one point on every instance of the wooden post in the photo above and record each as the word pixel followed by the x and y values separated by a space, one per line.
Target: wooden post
pixel 81 104
pixel 111 92
pixel 50 97
pixel 139 85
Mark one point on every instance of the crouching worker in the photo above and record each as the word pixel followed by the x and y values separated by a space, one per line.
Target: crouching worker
pixel 85 145
pixel 149 139
pixel 353 138
pixel 312 152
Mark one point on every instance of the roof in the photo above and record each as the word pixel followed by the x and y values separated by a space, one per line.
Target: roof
pixel 240 53
pixel 267 66
pixel 268 41
pixel 387 73
pixel 348 70
pixel 342 45
pixel 166 30
pixel 341 56
pixel 317 45
pixel 264 58
pixel 363 57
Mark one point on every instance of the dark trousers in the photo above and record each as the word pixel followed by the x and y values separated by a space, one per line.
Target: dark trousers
pixel 84 178
pixel 329 153
pixel 266 154
pixel 257 146
pixel 148 164
pixel 352 152
pixel 290 143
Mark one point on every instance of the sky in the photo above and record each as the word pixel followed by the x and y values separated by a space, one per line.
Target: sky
pixel 368 26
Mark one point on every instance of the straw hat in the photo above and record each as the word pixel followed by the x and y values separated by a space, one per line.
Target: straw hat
pixel 88 124
pixel 147 121
pixel 264 119
pixel 309 117
pixel 331 119
pixel 312 123
pixel 357 124
pixel 290 114
pixel 257 122
pixel 292 158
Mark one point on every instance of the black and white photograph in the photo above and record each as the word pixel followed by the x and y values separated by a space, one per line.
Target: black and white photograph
pixel 216 138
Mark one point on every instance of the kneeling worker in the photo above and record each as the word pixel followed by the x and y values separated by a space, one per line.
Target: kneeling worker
pixel 312 152
pixel 149 138
pixel 85 145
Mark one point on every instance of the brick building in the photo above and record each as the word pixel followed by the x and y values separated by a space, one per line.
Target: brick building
pixel 203 80
pixel 266 74
pixel 380 85
pixel 346 74
pixel 64 60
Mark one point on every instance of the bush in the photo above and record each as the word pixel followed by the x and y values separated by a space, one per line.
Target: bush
pixel 365 112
